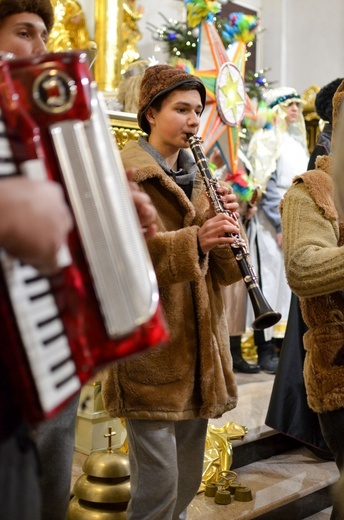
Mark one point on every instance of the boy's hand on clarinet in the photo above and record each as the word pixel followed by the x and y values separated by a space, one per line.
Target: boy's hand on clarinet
pixel 216 231
pixel 228 199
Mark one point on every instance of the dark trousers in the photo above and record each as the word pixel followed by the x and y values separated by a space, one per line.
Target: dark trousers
pixel 332 427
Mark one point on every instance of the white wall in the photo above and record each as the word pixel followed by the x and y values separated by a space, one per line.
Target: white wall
pixel 315 42
pixel 302 42
pixel 88 8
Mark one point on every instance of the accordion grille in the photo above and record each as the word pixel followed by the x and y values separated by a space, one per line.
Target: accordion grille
pixel 97 187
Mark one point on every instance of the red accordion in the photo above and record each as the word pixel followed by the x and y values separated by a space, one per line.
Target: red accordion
pixel 103 306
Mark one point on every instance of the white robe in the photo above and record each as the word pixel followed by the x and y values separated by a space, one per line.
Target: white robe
pixel 264 251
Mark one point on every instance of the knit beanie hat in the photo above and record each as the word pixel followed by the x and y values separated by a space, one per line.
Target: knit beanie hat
pixel 159 80
pixel 41 8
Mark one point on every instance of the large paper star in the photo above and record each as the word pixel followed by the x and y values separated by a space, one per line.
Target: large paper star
pixel 227 101
pixel 230 94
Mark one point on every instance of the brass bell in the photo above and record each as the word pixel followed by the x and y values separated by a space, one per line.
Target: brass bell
pixel 223 497
pixel 107 464
pixel 210 489
pixel 80 510
pixel 103 491
pixel 243 494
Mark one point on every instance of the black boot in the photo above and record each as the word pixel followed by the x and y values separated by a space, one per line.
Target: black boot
pixel 239 363
pixel 267 357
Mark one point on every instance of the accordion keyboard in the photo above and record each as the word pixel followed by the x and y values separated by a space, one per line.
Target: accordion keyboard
pixel 46 345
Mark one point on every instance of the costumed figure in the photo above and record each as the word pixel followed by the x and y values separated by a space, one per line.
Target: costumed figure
pixel 288 410
pixel 280 152
pixel 129 88
pixel 168 398
pixel 313 249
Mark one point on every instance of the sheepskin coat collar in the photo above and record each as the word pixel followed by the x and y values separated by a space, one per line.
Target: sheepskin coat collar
pixel 192 375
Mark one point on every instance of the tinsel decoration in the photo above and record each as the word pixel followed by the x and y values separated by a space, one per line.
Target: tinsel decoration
pixel 201 10
pixel 241 184
pixel 239 27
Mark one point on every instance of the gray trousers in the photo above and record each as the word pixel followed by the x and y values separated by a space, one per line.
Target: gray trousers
pixel 20 493
pixel 55 444
pixel 166 466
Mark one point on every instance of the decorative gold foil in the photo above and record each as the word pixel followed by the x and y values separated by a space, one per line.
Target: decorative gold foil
pixel 218 455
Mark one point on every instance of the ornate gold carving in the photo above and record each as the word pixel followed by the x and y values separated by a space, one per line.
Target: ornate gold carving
pixel 124 127
pixel 69 30
pixel 116 36
pixel 310 115
pixel 130 33
pixel 308 98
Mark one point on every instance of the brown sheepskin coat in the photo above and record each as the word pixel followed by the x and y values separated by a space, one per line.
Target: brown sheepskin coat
pixel 192 376
pixel 313 245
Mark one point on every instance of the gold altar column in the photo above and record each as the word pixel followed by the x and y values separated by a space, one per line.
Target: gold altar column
pixel 108 28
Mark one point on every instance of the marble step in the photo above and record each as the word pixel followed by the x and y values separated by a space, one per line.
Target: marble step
pixel 291 485
pixel 287 480
pixel 322 515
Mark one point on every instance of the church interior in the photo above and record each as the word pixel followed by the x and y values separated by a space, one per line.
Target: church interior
pixel 260 473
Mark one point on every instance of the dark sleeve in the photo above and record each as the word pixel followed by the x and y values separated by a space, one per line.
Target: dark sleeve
pixel 270 202
pixel 319 149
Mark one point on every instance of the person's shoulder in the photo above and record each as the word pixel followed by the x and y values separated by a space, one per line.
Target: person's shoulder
pixel 131 153
pixel 130 147
pixel 134 156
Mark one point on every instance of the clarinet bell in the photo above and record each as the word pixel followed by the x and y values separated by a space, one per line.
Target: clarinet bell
pixel 265 316
pixel 266 320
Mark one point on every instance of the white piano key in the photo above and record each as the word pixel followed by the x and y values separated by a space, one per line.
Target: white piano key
pixel 49 331
pixel 43 309
pixel 50 398
pixel 44 358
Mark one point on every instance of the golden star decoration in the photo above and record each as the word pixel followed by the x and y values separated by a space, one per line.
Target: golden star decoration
pixel 230 95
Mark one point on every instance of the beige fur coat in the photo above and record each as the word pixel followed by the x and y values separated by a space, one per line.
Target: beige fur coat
pixel 192 376
pixel 313 247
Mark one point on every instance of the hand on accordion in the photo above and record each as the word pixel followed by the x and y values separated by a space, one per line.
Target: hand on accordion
pixel 35 221
pixel 145 210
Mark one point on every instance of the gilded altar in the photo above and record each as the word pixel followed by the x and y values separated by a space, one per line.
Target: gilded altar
pixel 116 34
pixel 124 127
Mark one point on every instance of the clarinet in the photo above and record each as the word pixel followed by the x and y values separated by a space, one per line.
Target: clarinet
pixel 265 316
